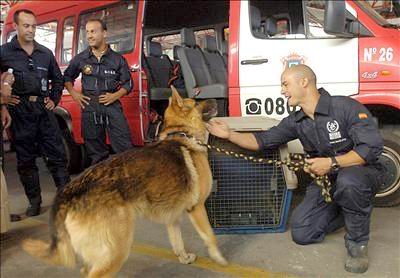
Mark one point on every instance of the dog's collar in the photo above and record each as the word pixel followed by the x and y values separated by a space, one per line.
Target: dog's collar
pixel 185 135
pixel 180 134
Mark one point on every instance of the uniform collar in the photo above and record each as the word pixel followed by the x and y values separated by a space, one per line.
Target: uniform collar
pixel 322 105
pixel 36 47
pixel 90 53
pixel 324 102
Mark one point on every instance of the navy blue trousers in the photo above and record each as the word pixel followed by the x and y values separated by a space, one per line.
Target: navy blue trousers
pixel 353 191
pixel 98 121
pixel 35 132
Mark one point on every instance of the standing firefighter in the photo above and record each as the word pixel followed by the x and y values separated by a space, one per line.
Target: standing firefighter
pixel 34 125
pixel 343 141
pixel 105 78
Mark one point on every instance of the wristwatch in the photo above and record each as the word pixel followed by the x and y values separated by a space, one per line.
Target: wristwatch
pixel 334 165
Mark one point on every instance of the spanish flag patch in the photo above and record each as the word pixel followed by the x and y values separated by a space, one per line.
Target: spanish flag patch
pixel 362 116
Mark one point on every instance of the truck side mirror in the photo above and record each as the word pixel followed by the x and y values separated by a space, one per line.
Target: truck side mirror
pixel 335 17
pixel 338 22
pixel 355 27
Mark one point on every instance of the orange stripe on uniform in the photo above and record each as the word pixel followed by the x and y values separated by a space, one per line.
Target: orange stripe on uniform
pixel 362 116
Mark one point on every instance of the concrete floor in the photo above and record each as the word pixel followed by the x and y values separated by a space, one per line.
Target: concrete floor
pixel 257 255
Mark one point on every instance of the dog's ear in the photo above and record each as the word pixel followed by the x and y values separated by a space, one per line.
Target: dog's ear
pixel 175 98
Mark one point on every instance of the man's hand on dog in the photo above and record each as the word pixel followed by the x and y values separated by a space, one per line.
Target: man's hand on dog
pixel 318 166
pixel 218 128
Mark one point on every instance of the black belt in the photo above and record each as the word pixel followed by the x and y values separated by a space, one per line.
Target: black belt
pixel 32 98
pixel 36 99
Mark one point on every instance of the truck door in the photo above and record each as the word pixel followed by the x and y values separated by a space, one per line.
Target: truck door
pixel 140 122
pixel 275 35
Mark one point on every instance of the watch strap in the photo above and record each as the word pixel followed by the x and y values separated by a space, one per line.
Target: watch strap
pixel 335 165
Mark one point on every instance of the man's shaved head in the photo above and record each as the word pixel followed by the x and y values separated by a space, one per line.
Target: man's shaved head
pixel 299 85
pixel 302 71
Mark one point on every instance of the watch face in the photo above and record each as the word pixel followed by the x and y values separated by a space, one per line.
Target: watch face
pixel 335 166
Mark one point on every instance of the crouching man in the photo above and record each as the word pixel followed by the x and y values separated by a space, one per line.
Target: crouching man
pixel 343 141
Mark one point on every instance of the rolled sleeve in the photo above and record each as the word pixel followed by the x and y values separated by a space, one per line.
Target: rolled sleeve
pixel 125 76
pixel 72 71
pixel 57 81
pixel 364 132
pixel 284 132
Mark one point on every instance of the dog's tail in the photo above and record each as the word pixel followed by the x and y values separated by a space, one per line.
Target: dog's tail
pixel 59 251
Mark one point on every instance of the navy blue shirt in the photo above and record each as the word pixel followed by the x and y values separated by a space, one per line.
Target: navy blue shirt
pixel 32 72
pixel 340 124
pixel 105 76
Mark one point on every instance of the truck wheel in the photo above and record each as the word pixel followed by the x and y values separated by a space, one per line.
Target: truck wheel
pixel 389 192
pixel 73 153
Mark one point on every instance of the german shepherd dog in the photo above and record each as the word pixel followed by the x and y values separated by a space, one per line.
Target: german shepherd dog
pixel 93 217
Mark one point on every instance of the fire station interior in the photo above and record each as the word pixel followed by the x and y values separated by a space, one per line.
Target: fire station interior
pixel 185 43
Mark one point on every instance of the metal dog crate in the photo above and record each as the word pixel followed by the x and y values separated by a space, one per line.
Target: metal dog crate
pixel 248 197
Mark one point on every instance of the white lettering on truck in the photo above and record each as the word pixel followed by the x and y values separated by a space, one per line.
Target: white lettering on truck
pixel 385 54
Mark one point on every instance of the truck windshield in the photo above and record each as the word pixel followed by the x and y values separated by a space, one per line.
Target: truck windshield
pixel 385 13
pixel 120 20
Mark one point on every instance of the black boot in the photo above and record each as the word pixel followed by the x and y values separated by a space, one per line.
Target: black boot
pixel 29 177
pixel 59 173
pixel 357 259
pixel 34 206
pixel 33 210
pixel 61 182
pixel 15 218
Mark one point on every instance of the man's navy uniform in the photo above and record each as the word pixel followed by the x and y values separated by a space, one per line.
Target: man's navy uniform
pixel 35 129
pixel 99 77
pixel 340 124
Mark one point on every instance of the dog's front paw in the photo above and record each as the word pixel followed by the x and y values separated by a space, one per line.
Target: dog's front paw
pixel 215 254
pixel 187 258
pixel 219 259
pixel 84 272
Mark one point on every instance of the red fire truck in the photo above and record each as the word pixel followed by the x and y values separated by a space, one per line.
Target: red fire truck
pixel 353 46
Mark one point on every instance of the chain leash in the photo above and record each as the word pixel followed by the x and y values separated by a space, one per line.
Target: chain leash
pixel 295 162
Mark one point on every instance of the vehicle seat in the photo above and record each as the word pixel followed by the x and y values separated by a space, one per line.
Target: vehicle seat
pixel 270 27
pixel 175 51
pixel 256 25
pixel 214 60
pixel 198 81
pixel 159 68
pixel 300 29
pixel 224 52
pixel 177 78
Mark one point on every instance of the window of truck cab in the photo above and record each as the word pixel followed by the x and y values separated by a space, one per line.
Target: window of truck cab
pixel 169 41
pixel 46 34
pixel 293 19
pixel 120 20
pixel 385 13
pixel 276 19
pixel 67 40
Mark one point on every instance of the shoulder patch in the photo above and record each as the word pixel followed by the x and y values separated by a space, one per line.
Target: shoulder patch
pixel 362 116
